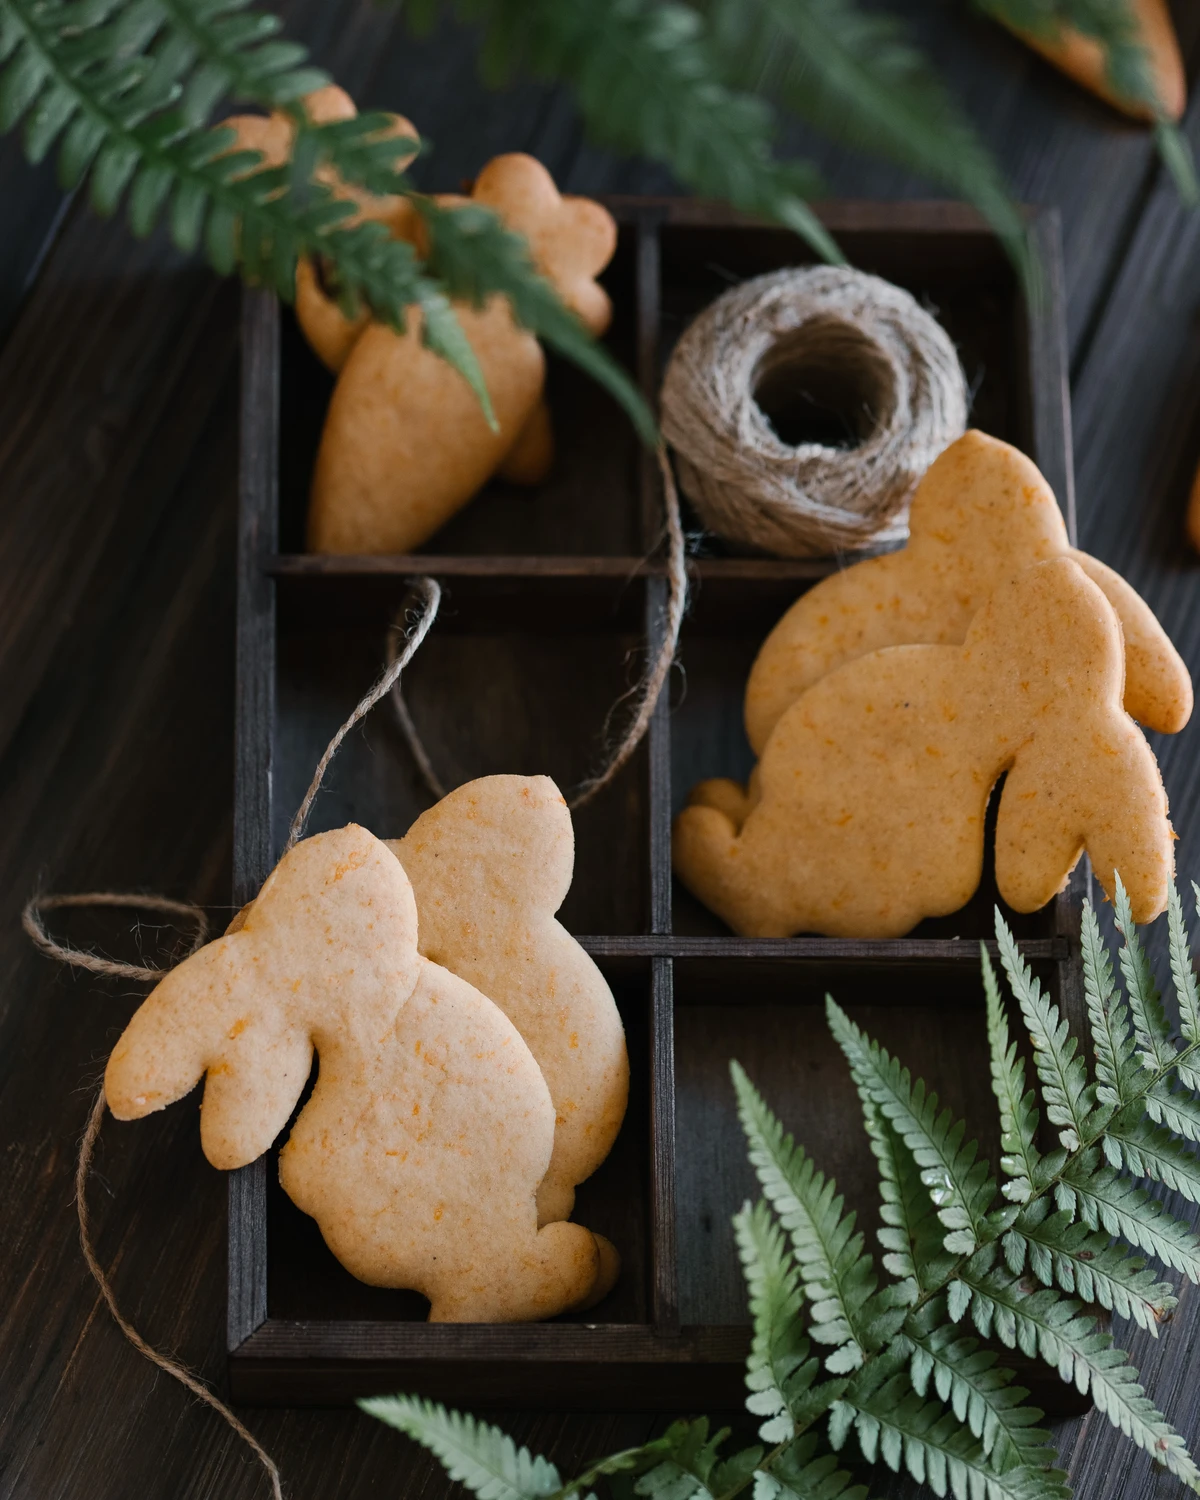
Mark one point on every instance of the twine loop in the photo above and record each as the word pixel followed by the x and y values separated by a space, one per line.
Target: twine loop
pixel 388 683
pixel 889 364
pixel 647 692
pixel 80 958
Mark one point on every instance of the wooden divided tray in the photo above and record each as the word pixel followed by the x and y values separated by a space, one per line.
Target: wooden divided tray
pixel 552 599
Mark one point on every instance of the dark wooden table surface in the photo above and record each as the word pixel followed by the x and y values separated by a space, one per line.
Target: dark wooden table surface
pixel 118 393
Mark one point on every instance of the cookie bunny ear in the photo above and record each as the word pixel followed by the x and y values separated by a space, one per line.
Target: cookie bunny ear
pixel 508 836
pixel 1083 776
pixel 245 1009
pixel 346 881
pixel 1158 685
pixel 208 1016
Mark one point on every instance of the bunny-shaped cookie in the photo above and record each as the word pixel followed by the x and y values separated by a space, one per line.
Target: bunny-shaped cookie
pixel 875 782
pixel 490 864
pixel 430 1126
pixel 981 515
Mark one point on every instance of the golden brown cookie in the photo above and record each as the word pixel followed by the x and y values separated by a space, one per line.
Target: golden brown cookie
pixel 430 1126
pixel 490 864
pixel 981 515
pixel 405 443
pixel 875 782
pixel 1085 60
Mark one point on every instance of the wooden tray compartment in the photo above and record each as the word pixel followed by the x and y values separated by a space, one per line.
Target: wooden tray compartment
pixel 552 599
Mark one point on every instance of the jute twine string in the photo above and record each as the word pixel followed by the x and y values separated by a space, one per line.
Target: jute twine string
pixel 388 683
pixel 431 592
pixel 648 690
pixel 31 920
pixel 180 1372
pixel 900 379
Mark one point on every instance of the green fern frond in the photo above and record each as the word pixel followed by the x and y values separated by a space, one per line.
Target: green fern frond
pixel 113 80
pixel 837 1275
pixel 1040 1323
pixel 1084 1261
pixel 978 1389
pixel 1153 1032
pixel 805 1472
pixel 895 1425
pixel 240 57
pixel 126 87
pixel 910 1232
pixel 647 80
pixel 688 1469
pixel 1117 1070
pixel 1069 1097
pixel 1175 1108
pixel 959 1183
pixel 630 1462
pixel 1107 1200
pixel 1147 1150
pixel 854 75
pixel 913 1382
pixel 1182 972
pixel 480 1457
pixel 778 1369
pixel 1018 1112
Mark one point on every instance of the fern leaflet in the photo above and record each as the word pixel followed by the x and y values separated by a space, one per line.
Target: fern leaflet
pixel 853 74
pixel 476 257
pixel 1040 1322
pixel 779 1369
pixel 910 1232
pixel 977 1388
pixel 806 1472
pixel 1068 1096
pixel 1145 1003
pixel 1110 1201
pixel 481 1457
pixel 1084 1261
pixel 960 1186
pixel 1018 1113
pixel 647 79
pixel 1116 1069
pixel 1148 1150
pixel 910 1434
pixel 837 1274
pixel 1182 972
pixel 688 1469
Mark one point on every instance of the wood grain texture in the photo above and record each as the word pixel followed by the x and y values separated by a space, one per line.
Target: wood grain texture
pixel 116 623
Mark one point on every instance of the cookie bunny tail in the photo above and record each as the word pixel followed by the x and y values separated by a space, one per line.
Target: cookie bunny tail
pixel 172 1367
pixel 718 866
pixel 559 1272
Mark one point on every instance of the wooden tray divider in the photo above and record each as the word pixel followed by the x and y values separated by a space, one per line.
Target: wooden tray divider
pixel 664 1274
pixel 652 1358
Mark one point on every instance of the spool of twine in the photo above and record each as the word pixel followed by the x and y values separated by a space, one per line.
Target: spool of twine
pixel 858 345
